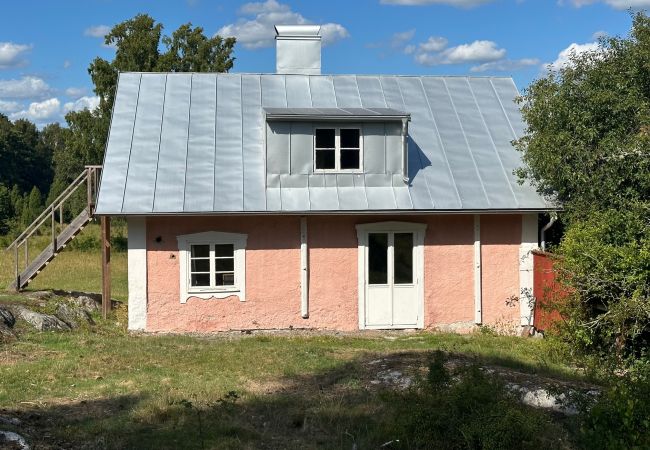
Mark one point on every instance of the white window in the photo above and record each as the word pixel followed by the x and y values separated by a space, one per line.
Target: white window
pixel 212 264
pixel 338 149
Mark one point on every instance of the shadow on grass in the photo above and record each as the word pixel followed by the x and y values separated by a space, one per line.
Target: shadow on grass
pixel 354 405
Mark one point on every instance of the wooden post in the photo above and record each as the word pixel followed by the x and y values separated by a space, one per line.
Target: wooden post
pixel 17 272
pixel 53 230
pixel 89 177
pixel 106 265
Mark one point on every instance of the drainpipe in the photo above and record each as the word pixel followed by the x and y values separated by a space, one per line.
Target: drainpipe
pixel 545 229
pixel 405 156
pixel 304 270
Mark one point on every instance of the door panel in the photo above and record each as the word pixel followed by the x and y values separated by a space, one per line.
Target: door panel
pixel 378 311
pixel 379 308
pixel 405 306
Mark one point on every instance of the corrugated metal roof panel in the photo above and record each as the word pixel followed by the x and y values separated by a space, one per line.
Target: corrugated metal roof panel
pixel 191 143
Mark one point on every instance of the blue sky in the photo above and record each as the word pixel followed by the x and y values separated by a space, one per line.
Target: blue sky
pixel 45 47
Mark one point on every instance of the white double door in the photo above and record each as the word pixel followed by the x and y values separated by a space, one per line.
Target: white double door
pixel 393 297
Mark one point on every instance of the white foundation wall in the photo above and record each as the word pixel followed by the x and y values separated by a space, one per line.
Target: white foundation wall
pixel 529 227
pixel 137 273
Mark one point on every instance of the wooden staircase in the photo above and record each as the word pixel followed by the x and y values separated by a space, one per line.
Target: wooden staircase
pixel 61 234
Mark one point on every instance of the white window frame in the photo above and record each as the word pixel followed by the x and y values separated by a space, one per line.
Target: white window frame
pixel 212 238
pixel 337 149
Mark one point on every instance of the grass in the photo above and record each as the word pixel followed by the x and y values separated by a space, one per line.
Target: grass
pixel 77 268
pixel 103 388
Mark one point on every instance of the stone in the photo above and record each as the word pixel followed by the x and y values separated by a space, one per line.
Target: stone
pixel 86 302
pixel 40 295
pixel 73 315
pixel 90 302
pixel 7 317
pixel 40 321
pixel 10 440
pixel 14 421
pixel 6 333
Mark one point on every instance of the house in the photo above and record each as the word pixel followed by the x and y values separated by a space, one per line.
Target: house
pixel 301 200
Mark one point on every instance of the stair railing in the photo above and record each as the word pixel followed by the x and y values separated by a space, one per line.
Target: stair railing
pixel 90 178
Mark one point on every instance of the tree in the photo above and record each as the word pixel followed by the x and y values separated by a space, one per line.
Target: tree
pixel 32 206
pixel 25 160
pixel 137 42
pixel 588 145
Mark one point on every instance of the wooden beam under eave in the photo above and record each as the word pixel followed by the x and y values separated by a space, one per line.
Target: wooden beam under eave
pixel 106 265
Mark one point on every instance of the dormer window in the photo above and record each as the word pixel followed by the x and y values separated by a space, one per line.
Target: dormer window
pixel 337 149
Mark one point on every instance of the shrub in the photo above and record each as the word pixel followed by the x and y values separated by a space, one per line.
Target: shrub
pixel 620 418
pixel 467 409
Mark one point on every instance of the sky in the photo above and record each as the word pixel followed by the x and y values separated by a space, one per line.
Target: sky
pixel 46 47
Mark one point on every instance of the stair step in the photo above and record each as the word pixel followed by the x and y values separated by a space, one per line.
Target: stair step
pixel 49 253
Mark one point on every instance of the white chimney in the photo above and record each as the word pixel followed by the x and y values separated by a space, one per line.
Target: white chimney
pixel 298 49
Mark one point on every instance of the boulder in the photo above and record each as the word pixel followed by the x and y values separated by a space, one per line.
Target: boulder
pixel 89 301
pixel 40 295
pixel 10 440
pixel 73 315
pixel 40 321
pixel 6 333
pixel 7 317
pixel 86 302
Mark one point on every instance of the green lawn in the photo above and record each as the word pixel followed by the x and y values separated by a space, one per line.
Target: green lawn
pixel 104 388
pixel 101 387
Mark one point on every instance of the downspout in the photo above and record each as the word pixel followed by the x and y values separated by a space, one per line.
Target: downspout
pixel 405 156
pixel 545 229
pixel 304 269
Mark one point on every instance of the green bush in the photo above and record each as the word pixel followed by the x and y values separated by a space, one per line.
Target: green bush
pixel 620 418
pixel 467 409
pixel 606 266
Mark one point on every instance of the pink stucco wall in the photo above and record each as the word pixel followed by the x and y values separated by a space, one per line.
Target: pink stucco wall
pixel 273 272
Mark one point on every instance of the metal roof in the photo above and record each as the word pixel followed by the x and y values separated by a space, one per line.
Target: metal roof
pixel 194 143
pixel 365 114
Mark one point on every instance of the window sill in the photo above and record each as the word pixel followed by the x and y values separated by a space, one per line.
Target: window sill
pixel 206 295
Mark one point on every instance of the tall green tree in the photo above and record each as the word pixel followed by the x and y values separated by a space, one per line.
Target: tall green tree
pixel 25 159
pixel 588 145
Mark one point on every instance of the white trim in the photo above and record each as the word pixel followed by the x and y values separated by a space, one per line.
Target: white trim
pixel 304 269
pixel 418 230
pixel 137 273
pixel 337 148
pixel 213 237
pixel 478 282
pixel 529 225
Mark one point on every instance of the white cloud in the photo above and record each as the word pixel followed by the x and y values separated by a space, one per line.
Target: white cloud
pixel 67 63
pixel 25 87
pixel 75 91
pixel 457 3
pixel 476 52
pixel 82 103
pixel 433 44
pixel 505 65
pixel 97 31
pixel 12 55
pixel 256 30
pixel 398 40
pixel 617 4
pixel 39 111
pixel 9 107
pixel 563 58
